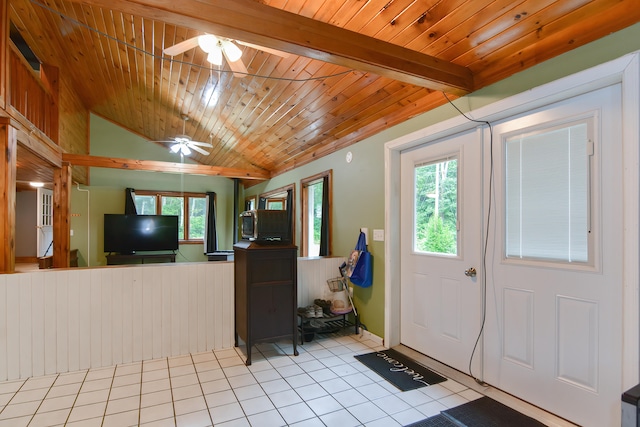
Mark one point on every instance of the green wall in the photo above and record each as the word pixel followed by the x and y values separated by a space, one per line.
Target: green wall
pixel 106 192
pixel 358 187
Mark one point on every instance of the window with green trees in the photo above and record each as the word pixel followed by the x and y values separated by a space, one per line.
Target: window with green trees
pixel 436 207
pixel 189 207
pixel 313 212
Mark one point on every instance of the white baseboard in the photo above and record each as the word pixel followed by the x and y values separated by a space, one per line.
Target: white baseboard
pixel 368 336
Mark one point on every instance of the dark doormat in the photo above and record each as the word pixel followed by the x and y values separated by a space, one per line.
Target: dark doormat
pixel 400 370
pixel 437 421
pixel 486 412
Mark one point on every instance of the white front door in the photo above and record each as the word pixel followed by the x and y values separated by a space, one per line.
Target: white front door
pixel 441 188
pixel 45 222
pixel 553 334
pixel 554 257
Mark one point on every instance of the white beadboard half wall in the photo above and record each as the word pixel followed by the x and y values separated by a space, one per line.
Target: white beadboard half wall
pixel 54 321
pixel 313 274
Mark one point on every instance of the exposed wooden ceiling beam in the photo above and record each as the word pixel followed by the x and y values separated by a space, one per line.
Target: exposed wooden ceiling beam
pixel 157 166
pixel 254 22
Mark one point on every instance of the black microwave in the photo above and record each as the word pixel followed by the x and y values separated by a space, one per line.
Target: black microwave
pixel 265 225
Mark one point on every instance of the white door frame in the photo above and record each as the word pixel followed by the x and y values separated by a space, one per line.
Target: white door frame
pixel 624 70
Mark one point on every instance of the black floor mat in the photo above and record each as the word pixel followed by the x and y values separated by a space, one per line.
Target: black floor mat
pixel 437 421
pixel 486 412
pixel 400 370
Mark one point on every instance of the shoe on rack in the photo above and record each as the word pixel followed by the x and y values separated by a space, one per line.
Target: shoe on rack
pixel 318 311
pixel 316 324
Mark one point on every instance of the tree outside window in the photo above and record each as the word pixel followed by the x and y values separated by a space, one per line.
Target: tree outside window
pixel 312 213
pixel 190 208
pixel 436 207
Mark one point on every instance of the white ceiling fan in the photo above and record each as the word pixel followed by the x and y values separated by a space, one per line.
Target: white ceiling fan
pixel 183 144
pixel 217 47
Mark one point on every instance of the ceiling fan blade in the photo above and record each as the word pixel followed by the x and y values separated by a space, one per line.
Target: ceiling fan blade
pixel 231 51
pixel 183 46
pixel 238 68
pixel 201 144
pixel 265 49
pixel 198 149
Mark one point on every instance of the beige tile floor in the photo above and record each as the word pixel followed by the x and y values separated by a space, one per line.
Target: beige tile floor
pixel 323 386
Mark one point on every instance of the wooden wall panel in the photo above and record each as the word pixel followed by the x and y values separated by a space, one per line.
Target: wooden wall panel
pixel 4 35
pixel 8 166
pixel 61 216
pixel 74 127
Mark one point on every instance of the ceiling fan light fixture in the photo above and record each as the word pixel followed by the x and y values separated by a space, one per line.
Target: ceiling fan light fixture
pixel 232 51
pixel 215 56
pixel 175 148
pixel 208 42
pixel 185 150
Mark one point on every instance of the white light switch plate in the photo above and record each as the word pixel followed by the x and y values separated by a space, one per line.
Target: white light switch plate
pixel 378 235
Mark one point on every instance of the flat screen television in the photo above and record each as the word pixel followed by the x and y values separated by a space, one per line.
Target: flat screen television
pixel 127 234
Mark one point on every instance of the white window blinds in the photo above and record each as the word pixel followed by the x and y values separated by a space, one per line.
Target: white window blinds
pixel 547 194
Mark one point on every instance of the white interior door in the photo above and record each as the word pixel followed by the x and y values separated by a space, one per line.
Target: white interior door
pixel 45 222
pixel 441 229
pixel 553 334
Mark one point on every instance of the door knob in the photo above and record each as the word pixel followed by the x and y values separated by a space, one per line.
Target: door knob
pixel 471 272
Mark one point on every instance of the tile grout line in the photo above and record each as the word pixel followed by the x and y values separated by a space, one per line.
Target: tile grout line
pixel 173 402
pixel 104 414
pixel 43 398
pixel 14 395
pixel 232 388
pixel 76 398
pixel 140 395
pixel 200 384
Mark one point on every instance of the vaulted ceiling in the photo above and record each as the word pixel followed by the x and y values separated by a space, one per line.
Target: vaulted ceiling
pixel 352 69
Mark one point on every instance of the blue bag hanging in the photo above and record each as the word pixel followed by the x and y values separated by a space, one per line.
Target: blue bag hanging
pixel 361 264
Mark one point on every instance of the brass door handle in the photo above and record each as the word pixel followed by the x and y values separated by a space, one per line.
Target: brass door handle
pixel 470 272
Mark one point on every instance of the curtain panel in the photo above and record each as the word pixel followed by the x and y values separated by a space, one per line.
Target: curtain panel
pixel 210 234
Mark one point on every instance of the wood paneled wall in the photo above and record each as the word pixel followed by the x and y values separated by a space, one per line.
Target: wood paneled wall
pixel 67 320
pixel 74 127
pixel 32 98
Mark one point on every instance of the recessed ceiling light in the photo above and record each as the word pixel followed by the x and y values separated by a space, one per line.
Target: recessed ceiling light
pixel 36 184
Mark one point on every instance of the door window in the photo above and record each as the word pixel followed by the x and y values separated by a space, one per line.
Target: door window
pixel 547 193
pixel 46 204
pixel 436 207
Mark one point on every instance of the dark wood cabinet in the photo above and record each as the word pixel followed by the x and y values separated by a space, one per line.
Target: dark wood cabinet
pixel 265 293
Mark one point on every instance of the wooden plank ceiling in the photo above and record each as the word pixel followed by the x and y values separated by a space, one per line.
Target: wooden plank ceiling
pixel 356 67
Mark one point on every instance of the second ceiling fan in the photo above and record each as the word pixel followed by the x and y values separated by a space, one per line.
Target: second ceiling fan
pixel 218 47
pixel 183 144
